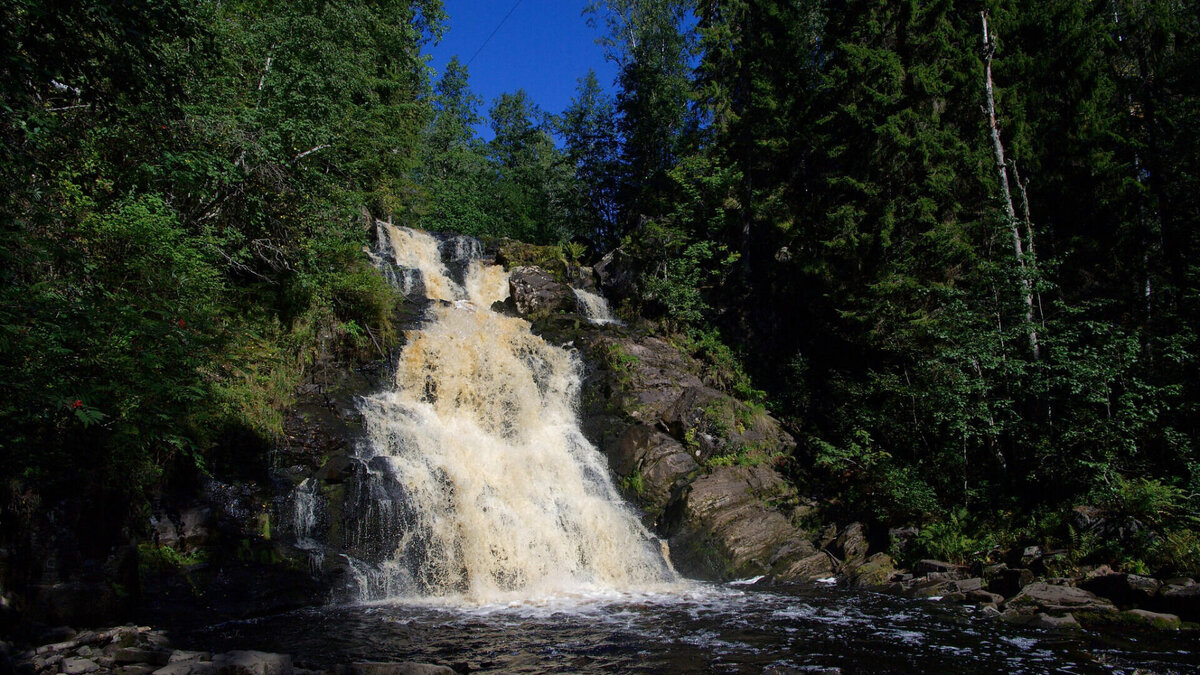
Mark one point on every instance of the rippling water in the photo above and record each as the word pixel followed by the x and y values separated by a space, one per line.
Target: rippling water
pixel 697 628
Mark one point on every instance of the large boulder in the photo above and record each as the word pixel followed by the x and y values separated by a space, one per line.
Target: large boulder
pixel 1055 599
pixel 617 274
pixel 536 294
pixel 722 527
pixel 1126 590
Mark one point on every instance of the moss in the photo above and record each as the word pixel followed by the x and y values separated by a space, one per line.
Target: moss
pixel 168 558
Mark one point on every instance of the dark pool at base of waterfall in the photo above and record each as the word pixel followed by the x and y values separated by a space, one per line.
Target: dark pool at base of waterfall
pixel 703 628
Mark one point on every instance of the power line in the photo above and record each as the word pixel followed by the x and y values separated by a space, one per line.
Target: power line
pixel 489 38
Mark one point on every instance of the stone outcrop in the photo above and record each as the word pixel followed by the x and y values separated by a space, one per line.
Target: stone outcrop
pixel 535 294
pixel 721 527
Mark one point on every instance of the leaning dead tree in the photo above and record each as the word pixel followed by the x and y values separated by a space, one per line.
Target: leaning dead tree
pixel 1010 212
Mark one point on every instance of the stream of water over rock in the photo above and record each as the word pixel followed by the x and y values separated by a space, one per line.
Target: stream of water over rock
pixel 481 484
pixel 489 536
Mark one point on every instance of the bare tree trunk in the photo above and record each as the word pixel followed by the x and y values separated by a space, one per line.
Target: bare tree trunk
pixel 1002 169
pixel 1022 185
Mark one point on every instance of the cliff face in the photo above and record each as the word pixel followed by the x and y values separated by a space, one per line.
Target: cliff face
pixel 699 463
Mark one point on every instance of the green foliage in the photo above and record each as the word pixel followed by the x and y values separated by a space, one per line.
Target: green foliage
pixel 873 483
pixel 634 483
pixel 182 221
pixel 168 558
pixel 953 538
pixel 1143 499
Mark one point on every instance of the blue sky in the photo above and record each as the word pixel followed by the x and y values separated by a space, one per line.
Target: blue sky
pixel 544 47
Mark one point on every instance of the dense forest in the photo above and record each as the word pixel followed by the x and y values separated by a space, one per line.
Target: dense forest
pixel 952 245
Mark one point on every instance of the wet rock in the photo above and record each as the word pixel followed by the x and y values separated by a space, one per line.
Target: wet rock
pixel 338 469
pixel 875 571
pixel 990 612
pixel 1059 599
pixel 536 294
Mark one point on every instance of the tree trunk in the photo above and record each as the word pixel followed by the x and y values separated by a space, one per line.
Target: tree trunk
pixel 1002 169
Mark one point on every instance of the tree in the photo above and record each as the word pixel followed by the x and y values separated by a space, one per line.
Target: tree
pixel 588 129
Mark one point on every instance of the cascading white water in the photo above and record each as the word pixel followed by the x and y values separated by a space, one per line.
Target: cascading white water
pixel 483 486
pixel 594 307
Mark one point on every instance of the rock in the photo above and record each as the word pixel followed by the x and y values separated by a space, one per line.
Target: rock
pixel 875 571
pixel 1123 589
pixel 656 459
pixel 723 530
pixel 187 668
pixel 1008 582
pixel 251 663
pixel 1158 620
pixel 408 668
pixel 851 544
pixel 1066 621
pixel 536 294
pixel 338 469
pixel 814 566
pixel 1181 597
pixel 1059 599
pixel 901 539
pixel 181 655
pixel 159 657
pixel 982 597
pixel 990 612
pixel 969 585
pixel 616 273
pixel 163 531
pixel 75 665
pixel 937 566
pixel 1030 555
pixel 194 526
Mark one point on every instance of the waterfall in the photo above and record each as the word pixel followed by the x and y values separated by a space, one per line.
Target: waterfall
pixel 479 484
pixel 594 307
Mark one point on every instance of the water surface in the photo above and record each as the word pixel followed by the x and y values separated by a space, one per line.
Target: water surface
pixel 698 628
